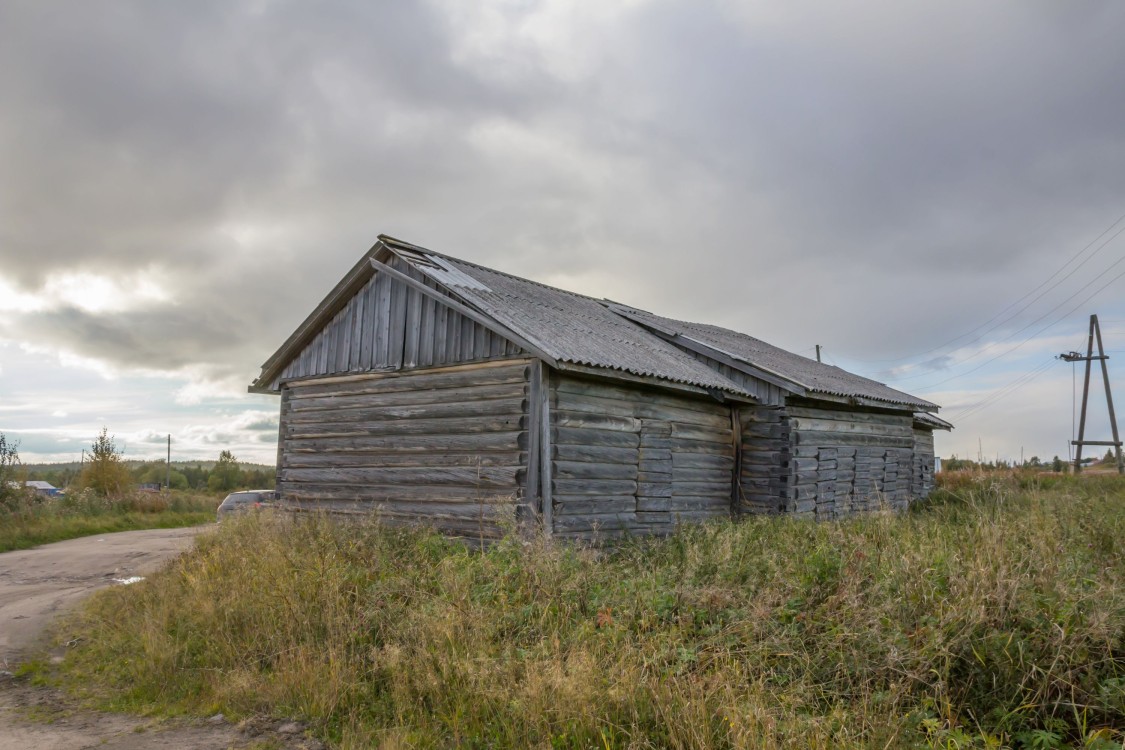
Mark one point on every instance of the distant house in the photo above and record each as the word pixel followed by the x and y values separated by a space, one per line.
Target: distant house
pixel 42 488
pixel 436 390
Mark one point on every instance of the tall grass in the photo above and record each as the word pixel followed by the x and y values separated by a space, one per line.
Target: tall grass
pixel 994 616
pixel 28 519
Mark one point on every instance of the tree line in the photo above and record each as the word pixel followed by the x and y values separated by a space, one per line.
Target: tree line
pixel 107 473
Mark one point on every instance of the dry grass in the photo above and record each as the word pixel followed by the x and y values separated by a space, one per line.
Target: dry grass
pixel 995 616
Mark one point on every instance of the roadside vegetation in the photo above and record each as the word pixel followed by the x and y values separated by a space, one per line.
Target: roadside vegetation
pixel 991 616
pixel 102 499
pixel 28 520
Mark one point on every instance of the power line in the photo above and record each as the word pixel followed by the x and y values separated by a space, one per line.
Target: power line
pixel 1053 323
pixel 1003 391
pixel 1021 299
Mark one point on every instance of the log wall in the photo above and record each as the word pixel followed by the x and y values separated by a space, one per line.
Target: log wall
pixel 389 326
pixel 764 482
pixel 633 460
pixel 922 481
pixel 444 446
pixel 846 459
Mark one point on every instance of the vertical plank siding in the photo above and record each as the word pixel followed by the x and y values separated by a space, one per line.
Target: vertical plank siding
pixel 446 447
pixel 632 460
pixel 767 394
pixel 389 326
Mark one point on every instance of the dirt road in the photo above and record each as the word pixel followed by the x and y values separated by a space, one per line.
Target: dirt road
pixel 37 584
pixel 35 587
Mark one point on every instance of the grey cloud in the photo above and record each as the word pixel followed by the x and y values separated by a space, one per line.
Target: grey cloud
pixel 870 179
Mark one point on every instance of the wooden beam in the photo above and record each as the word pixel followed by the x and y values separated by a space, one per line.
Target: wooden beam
pixel 546 497
pixel 532 490
pixel 465 310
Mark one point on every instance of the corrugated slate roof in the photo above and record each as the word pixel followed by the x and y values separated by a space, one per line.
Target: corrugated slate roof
pixel 567 326
pixel 813 376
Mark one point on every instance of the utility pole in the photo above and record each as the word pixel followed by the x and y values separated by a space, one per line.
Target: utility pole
pixel 168 465
pixel 817 352
pixel 1095 333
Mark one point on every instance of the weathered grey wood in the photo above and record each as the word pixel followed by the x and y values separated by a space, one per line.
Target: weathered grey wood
pixel 588 437
pixel 392 458
pixel 531 490
pixel 431 410
pixel 594 454
pixel 547 383
pixel 593 421
pixel 489 441
pixel 373 492
pixel 617 392
pixel 463 310
pixel 439 427
pixel 411 355
pixel 586 470
pixel 498 477
pixel 577 505
pixel 593 487
pixel 457 376
pixel 705 414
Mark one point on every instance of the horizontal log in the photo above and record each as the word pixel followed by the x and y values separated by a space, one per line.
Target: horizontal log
pixel 485 441
pixel 655 517
pixel 807 411
pixel 654 489
pixel 384 493
pixel 484 477
pixel 680 445
pixel 593 487
pixel 594 421
pixel 640 408
pixel 708 434
pixel 717 489
pixel 594 453
pixel 702 461
pixel 410 380
pixel 580 505
pixel 600 521
pixel 349 399
pixel 373 411
pixel 413 509
pixel 748 414
pixel 585 470
pixel 840 439
pixel 656 467
pixel 654 504
pixel 663 455
pixel 652 397
pixel 409 427
pixel 694 502
pixel 652 442
pixel 391 458
pixel 587 437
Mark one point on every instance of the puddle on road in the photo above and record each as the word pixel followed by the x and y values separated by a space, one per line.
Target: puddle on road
pixel 127 581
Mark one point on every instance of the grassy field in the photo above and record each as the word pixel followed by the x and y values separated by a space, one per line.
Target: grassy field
pixel 35 520
pixel 993 616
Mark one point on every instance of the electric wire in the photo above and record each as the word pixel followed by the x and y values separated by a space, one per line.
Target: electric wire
pixel 1021 299
pixel 1052 324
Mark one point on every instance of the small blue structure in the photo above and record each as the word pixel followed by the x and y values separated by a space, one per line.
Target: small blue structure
pixel 42 488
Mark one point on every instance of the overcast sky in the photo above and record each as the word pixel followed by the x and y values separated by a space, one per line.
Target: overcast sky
pixel 182 183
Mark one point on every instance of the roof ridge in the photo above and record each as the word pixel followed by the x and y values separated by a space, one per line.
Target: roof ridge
pixel 409 245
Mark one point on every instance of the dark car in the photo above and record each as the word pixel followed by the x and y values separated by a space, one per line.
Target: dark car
pixel 245 500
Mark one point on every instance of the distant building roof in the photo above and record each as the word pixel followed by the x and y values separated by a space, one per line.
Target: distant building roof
pixel 37 484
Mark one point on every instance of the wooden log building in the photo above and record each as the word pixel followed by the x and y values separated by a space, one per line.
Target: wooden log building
pixel 429 389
